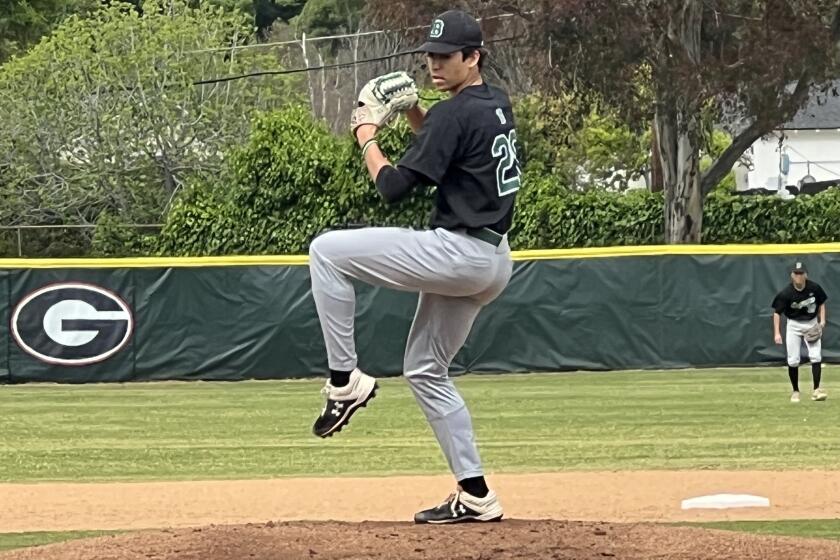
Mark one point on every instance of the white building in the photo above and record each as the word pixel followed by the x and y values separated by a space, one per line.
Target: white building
pixel 804 150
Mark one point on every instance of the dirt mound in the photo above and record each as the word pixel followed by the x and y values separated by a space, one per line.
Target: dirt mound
pixel 509 539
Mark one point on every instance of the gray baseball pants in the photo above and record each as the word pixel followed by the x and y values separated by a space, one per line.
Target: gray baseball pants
pixel 455 275
pixel 794 336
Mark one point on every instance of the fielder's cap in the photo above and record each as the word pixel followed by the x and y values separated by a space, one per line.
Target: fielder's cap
pixel 799 267
pixel 452 31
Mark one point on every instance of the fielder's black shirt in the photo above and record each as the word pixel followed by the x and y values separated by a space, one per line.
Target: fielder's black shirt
pixel 467 147
pixel 800 305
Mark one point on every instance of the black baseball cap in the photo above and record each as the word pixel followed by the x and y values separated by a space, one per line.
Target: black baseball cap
pixel 452 31
pixel 799 267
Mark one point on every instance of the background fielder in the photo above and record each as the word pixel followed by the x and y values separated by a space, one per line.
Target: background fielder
pixel 802 302
pixel 466 146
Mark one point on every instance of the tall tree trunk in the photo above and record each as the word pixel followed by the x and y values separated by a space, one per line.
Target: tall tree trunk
pixel 656 184
pixel 677 123
pixel 679 152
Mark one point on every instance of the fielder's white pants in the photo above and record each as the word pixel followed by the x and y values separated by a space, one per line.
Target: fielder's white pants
pixel 455 275
pixel 794 336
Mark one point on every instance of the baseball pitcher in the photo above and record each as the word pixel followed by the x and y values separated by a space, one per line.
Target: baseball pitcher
pixel 466 146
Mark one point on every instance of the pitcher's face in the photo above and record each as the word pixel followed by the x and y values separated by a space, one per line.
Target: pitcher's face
pixel 450 72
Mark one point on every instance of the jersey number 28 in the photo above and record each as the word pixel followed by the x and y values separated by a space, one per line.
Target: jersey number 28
pixel 507 170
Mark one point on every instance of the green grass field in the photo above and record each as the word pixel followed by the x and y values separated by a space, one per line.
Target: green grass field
pixel 635 420
pixel 8 541
pixel 815 528
pixel 698 419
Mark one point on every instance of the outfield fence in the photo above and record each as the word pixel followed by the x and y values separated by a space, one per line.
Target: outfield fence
pixel 231 318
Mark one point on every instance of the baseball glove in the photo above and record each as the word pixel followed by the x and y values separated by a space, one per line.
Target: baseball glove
pixel 382 98
pixel 814 333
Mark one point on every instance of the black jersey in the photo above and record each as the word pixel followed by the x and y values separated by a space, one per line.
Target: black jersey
pixel 800 305
pixel 467 147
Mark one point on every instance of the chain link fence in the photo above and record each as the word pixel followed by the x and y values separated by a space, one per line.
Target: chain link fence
pixel 54 241
pixel 337 66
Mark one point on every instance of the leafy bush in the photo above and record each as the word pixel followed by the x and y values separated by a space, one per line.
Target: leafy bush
pixel 768 219
pixel 549 216
pixel 113 238
pixel 292 180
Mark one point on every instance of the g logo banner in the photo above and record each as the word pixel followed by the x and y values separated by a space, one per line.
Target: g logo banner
pixel 72 324
pixel 437 29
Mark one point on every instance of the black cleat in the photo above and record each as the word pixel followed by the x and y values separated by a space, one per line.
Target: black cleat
pixel 461 507
pixel 342 402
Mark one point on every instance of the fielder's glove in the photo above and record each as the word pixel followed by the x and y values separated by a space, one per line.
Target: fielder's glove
pixel 814 333
pixel 382 98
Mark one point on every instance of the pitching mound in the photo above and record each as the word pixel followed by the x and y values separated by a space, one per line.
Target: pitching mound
pixel 509 539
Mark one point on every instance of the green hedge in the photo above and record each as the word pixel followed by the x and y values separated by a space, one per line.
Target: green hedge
pixel 769 219
pixel 293 179
pixel 290 181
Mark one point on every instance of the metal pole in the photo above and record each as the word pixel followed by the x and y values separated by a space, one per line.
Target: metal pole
pixel 20 243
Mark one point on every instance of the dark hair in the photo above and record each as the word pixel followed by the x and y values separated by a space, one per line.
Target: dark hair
pixel 466 52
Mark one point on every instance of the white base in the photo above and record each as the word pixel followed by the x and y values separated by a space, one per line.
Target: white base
pixel 725 501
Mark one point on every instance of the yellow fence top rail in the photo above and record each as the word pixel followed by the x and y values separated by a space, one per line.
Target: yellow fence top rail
pixel 157 262
pixel 660 250
pixel 543 254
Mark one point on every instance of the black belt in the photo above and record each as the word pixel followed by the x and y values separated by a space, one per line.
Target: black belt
pixel 487 235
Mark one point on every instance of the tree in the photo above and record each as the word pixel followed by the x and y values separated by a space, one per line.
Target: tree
pixel 24 22
pixel 267 11
pixel 749 64
pixel 682 64
pixel 408 13
pixel 104 117
pixel 579 142
pixel 327 17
